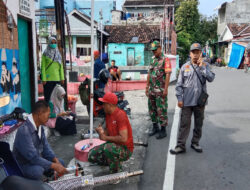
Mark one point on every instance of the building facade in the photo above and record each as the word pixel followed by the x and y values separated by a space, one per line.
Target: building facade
pixel 236 12
pixel 128 45
pixel 18 55
pixel 80 26
pixel 233 30
pixel 103 7
pixel 140 8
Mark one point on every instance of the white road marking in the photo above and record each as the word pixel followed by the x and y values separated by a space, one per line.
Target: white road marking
pixel 170 165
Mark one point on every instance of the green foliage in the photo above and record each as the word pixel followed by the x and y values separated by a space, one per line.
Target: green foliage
pixel 187 23
pixel 208 30
pixel 192 27
pixel 187 17
pixel 184 41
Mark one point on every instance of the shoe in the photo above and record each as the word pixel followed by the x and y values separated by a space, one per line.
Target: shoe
pixel 177 150
pixel 154 130
pixel 162 133
pixel 197 148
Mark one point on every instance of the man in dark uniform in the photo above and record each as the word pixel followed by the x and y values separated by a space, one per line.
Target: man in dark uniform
pixel 188 90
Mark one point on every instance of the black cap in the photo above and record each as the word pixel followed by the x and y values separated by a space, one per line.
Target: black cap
pixel 195 46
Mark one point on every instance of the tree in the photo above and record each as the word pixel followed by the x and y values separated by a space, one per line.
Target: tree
pixel 208 30
pixel 187 19
pixel 184 41
pixel 192 27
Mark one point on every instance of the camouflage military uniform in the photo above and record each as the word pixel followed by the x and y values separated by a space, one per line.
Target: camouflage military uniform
pixel 109 154
pixel 157 104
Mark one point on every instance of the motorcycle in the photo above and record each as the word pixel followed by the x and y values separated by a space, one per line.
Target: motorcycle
pixel 84 91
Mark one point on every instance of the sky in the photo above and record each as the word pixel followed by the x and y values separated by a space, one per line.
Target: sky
pixel 206 7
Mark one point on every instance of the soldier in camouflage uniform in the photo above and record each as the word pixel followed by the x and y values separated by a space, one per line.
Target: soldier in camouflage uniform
pixel 109 154
pixel 118 134
pixel 157 90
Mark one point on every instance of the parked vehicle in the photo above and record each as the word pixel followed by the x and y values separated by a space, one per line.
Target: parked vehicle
pixel 84 91
pixel 219 62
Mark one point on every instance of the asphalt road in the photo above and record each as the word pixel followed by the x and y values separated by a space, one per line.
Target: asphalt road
pixel 155 162
pixel 225 162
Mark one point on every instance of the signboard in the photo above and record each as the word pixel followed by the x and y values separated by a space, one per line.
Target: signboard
pixel 24 7
pixel 43 28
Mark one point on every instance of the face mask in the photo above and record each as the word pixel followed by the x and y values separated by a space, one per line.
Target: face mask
pixel 53 46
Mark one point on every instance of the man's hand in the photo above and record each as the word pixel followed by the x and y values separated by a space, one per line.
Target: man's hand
pixel 59 168
pixel 62 82
pixel 180 104
pixel 165 93
pixel 99 130
pixel 101 133
pixel 44 82
pixel 200 61
pixel 55 160
pixel 102 137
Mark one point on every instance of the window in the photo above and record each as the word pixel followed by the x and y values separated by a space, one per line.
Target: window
pixel 83 40
pixel 83 52
pixel 117 52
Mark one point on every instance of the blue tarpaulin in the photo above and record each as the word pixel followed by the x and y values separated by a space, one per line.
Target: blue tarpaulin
pixel 236 56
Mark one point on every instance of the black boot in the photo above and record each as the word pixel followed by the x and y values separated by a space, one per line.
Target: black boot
pixel 154 130
pixel 162 133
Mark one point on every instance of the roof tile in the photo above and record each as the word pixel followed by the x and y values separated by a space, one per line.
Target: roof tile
pixel 147 2
pixel 237 29
pixel 125 34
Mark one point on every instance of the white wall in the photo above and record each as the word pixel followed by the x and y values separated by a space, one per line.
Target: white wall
pixel 226 35
pixel 238 11
pixel 13 6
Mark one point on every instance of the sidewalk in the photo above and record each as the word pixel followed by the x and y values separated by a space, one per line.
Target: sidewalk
pixel 63 146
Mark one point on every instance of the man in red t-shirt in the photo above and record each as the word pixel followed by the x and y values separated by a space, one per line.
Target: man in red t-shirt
pixel 115 72
pixel 118 134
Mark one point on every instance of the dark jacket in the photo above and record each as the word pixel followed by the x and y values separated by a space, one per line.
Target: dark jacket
pixel 29 149
pixel 98 66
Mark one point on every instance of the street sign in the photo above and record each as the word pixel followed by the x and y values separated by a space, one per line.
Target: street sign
pixel 24 7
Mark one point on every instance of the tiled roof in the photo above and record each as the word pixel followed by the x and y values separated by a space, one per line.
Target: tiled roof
pixel 125 34
pixel 147 2
pixel 239 29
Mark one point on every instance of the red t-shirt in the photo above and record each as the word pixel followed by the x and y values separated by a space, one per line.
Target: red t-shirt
pixel 118 121
pixel 114 68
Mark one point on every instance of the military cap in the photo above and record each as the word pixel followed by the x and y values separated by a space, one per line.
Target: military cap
pixel 155 45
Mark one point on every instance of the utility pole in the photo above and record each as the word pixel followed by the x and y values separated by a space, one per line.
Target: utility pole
pixel 92 72
pixel 60 35
pixel 167 31
pixel 101 19
pixel 69 39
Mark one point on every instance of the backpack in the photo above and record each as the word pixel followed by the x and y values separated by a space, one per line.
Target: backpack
pixel 84 91
pixel 66 126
